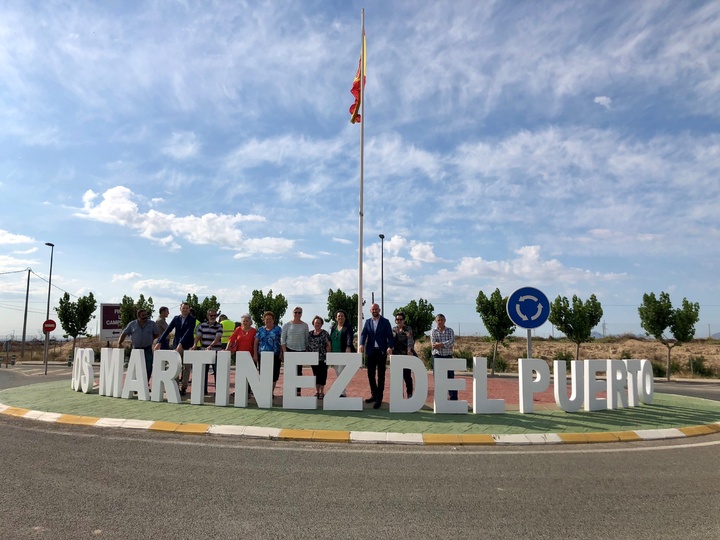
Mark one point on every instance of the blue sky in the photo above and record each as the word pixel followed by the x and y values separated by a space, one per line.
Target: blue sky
pixel 168 148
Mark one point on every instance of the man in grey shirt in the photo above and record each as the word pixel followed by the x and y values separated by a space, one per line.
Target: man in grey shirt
pixel 162 325
pixel 295 336
pixel 142 333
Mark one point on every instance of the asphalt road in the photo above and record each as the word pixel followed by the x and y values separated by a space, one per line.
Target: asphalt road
pixel 85 482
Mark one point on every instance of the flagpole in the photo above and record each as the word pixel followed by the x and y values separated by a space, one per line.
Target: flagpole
pixel 362 160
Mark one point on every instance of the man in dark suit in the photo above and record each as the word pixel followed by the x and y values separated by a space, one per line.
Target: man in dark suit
pixel 377 342
pixel 184 326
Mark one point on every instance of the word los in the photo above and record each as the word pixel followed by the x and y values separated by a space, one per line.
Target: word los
pixel 627 383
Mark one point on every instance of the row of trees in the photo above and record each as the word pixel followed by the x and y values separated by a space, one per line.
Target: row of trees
pixel 575 318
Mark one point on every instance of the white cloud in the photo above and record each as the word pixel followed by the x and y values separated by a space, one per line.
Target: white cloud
pixel 10 238
pixel 26 251
pixel 126 277
pixel 119 208
pixel 604 101
pixel 182 146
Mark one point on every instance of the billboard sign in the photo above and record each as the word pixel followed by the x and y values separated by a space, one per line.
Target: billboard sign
pixel 110 325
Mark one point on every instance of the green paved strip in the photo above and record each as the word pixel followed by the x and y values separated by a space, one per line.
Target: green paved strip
pixel 668 411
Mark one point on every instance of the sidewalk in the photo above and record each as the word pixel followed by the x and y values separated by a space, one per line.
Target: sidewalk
pixel 668 417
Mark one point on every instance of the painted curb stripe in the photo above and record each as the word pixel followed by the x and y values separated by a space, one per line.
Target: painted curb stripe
pixel 339 436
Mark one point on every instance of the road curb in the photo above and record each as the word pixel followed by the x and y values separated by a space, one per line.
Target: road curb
pixel 365 437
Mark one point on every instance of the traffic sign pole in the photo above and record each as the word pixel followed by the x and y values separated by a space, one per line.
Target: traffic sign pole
pixel 48 326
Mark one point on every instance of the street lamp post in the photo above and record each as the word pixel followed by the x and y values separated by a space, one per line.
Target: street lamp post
pixel 47 316
pixel 382 272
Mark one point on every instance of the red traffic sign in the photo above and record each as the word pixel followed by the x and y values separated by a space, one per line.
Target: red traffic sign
pixel 49 326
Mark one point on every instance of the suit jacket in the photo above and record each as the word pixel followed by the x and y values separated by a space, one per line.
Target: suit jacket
pixel 184 332
pixel 383 336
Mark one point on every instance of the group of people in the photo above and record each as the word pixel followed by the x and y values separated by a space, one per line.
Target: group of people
pixel 377 340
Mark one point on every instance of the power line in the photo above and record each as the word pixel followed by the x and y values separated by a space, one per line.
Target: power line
pixel 15 271
pixel 53 285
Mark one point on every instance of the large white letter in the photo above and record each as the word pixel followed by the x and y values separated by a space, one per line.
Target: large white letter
pixel 646 384
pixel 222 379
pixel 577 371
pixel 398 362
pixel 293 382
pixel 529 385
pixel 443 385
pixel 481 403
pixel 593 385
pixel 198 360
pixel 111 371
pixel 633 368
pixel 333 401
pixel 260 383
pixel 136 376
pixel 167 366
pixel 617 396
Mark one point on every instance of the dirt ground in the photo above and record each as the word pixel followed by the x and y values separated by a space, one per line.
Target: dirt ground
pixel 545 348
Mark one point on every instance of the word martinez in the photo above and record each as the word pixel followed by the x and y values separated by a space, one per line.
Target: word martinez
pixel 625 383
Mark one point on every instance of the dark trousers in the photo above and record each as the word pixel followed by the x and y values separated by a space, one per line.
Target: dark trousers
pixel 407 377
pixel 148 360
pixel 207 375
pixel 320 371
pixel 377 363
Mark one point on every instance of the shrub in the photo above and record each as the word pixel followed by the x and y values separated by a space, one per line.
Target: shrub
pixel 659 369
pixel 564 355
pixel 696 365
pixel 426 356
pixel 625 354
pixel 501 365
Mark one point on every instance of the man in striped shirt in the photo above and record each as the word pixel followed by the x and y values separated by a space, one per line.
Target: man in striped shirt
pixel 208 336
pixel 442 340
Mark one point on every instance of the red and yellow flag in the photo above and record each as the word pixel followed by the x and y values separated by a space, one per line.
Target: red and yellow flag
pixel 355 90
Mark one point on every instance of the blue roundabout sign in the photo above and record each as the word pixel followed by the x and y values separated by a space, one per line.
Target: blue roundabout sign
pixel 528 307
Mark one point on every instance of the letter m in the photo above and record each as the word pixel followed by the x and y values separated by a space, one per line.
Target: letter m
pixel 111 372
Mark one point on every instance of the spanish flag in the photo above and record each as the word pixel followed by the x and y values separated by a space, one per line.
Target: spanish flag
pixel 355 90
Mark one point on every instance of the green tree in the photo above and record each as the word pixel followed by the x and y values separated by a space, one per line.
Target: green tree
pixel 657 315
pixel 493 313
pixel 576 322
pixel 75 316
pixel 419 316
pixel 128 308
pixel 260 303
pixel 338 300
pixel 201 308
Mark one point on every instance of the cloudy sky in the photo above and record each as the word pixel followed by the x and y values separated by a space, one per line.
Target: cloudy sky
pixel 171 147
